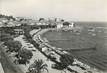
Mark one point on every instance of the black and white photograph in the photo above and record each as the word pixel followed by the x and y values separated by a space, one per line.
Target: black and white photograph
pixel 53 36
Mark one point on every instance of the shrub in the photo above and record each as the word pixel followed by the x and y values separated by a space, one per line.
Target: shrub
pixel 13 45
pixel 23 56
pixel 5 37
pixel 38 66
pixel 24 53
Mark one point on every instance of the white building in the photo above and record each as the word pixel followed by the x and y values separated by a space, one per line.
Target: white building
pixel 71 25
pixel 42 23
pixel 59 25
pixel 1 24
pixel 4 20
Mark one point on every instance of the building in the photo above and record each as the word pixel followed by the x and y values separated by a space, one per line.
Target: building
pixel 59 25
pixel 1 24
pixel 19 31
pixel 72 25
pixel 4 20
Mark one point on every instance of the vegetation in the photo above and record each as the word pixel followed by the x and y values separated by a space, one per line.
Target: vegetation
pixel 66 59
pixel 41 19
pixel 38 66
pixel 59 66
pixel 23 56
pixel 24 53
pixel 66 23
pixel 5 37
pixel 13 46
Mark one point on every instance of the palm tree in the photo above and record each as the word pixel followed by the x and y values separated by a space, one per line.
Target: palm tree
pixel 38 66
pixel 23 56
pixel 60 67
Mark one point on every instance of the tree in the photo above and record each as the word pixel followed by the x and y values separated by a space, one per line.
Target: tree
pixel 66 59
pixel 1 16
pixel 38 66
pixel 13 45
pixel 41 19
pixel 62 20
pixel 24 53
pixel 59 67
pixel 66 23
pixel 5 37
pixel 23 56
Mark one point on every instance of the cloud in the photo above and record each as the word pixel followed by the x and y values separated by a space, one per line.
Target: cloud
pixel 83 10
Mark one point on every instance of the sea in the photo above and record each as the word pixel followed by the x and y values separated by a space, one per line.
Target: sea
pixel 88 45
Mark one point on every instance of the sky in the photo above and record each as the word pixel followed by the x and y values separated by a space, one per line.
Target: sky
pixel 75 10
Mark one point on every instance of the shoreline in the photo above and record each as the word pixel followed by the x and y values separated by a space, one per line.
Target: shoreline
pixel 52 46
pixel 46 44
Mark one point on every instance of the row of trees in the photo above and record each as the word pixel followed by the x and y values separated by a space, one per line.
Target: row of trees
pixel 38 66
pixel 13 46
pixel 22 54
